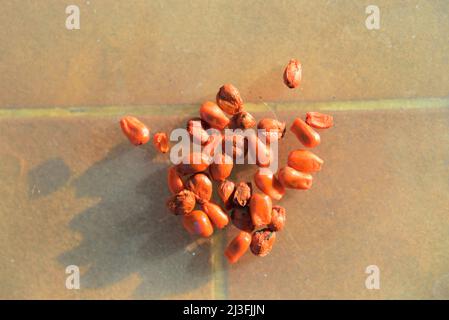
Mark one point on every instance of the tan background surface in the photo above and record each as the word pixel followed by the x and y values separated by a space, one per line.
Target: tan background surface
pixel 74 191
pixel 158 52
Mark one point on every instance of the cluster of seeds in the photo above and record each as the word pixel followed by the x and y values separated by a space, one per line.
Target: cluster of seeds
pixel 191 182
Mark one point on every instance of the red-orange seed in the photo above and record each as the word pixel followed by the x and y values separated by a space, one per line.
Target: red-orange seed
pixel 242 120
pixel 229 100
pixel 216 214
pixel 260 151
pixel 160 142
pixel 234 146
pixel 197 223
pixel 319 120
pixel 181 203
pixel 278 218
pixel 293 179
pixel 136 132
pixel 305 133
pixel 293 74
pixel 197 128
pixel 226 193
pixel 274 129
pixel 193 163
pixel 260 207
pixel 267 182
pixel 213 115
pixel 238 246
pixel 201 186
pixel 213 144
pixel 304 161
pixel 262 242
pixel 174 181
pixel 222 168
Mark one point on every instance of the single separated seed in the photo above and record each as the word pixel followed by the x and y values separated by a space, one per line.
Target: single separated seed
pixel 262 242
pixel 229 99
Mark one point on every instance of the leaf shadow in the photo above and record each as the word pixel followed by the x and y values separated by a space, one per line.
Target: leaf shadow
pixel 130 231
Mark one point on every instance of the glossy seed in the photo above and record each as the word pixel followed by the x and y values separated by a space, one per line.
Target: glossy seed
pixel 213 115
pixel 198 223
pixel 305 133
pixel 238 246
pixel 294 179
pixel 136 132
pixel 267 182
pixel 221 168
pixel 201 186
pixel 216 214
pixel 304 161
pixel 260 207
pixel 193 163
pixel 174 180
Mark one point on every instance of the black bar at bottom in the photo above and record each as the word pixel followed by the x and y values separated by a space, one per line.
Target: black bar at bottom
pixel 231 309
